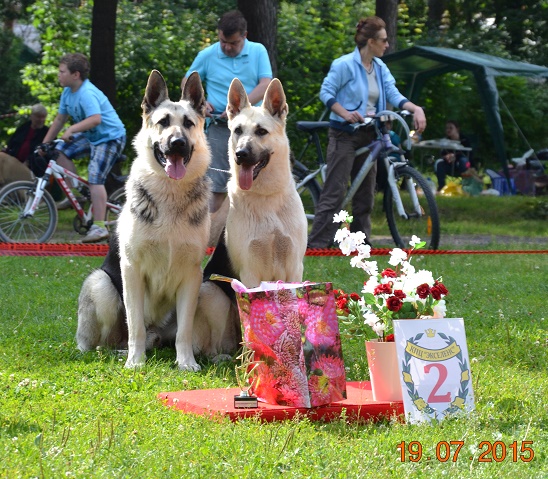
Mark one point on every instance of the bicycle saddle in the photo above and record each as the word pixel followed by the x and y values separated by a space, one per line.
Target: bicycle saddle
pixel 311 126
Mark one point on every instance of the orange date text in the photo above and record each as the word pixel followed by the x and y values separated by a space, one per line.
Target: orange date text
pixel 488 451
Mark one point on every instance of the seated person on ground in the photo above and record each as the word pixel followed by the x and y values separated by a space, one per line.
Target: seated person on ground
pixel 14 158
pixel 453 162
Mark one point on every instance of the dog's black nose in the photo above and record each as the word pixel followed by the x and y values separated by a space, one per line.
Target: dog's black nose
pixel 242 155
pixel 179 142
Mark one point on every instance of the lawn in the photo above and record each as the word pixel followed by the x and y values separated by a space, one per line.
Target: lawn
pixel 68 414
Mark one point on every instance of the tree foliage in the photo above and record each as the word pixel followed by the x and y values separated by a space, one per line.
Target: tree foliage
pixel 167 34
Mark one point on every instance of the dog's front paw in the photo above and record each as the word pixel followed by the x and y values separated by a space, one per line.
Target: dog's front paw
pixel 188 365
pixel 133 362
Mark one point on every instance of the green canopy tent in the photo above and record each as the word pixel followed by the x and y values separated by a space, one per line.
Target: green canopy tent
pixel 417 64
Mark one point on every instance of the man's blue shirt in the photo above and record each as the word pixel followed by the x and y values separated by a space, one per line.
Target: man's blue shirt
pixel 217 70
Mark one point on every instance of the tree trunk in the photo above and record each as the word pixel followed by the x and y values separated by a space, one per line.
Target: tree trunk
pixel 388 11
pixel 103 33
pixel 262 25
pixel 435 14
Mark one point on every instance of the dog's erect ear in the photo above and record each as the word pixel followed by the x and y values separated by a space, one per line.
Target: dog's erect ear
pixel 237 99
pixel 156 91
pixel 274 99
pixel 193 92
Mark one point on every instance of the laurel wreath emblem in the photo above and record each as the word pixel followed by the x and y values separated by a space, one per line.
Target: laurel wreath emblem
pixel 457 404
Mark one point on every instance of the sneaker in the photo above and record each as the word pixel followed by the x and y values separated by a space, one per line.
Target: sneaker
pixel 64 204
pixel 95 234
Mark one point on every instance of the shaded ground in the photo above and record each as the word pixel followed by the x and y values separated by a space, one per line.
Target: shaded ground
pixel 467 241
pixel 477 241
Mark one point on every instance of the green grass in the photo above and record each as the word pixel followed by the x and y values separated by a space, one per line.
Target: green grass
pixel 68 414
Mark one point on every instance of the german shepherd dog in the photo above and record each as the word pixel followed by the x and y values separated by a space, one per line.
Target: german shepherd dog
pixel 266 229
pixel 153 269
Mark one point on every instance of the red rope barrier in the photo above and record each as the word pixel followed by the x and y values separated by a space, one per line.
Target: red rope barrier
pixel 79 249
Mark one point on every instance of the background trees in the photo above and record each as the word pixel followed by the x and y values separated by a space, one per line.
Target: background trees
pixel 307 36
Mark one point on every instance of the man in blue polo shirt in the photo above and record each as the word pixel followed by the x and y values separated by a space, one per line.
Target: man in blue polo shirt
pixel 233 56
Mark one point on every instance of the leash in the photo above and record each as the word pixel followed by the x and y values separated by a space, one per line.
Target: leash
pixel 219 170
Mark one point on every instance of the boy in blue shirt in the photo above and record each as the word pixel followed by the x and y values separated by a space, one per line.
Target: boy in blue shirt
pixel 96 131
pixel 233 56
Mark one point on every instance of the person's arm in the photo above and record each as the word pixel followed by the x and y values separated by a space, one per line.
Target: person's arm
pixel 257 94
pixel 55 127
pixel 86 124
pixel 338 76
pixel 419 118
pixel 394 96
pixel 349 116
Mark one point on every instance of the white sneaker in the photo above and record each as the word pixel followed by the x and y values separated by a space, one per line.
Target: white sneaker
pixel 95 234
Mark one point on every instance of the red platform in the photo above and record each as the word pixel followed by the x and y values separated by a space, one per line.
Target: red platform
pixel 220 402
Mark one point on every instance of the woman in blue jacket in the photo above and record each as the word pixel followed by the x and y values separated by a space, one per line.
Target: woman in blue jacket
pixel 358 84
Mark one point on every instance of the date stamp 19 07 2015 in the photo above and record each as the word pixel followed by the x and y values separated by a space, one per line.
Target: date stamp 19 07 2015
pixel 496 451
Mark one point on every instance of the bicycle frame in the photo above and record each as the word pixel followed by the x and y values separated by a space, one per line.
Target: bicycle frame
pixel 60 173
pixel 377 149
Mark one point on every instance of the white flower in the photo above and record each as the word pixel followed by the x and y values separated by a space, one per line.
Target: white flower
pixel 371 284
pixel 415 240
pixel 379 327
pixel 364 250
pixel 341 234
pixel 370 319
pixel 341 217
pixel 371 268
pixel 397 256
pixel 440 309
pixel 350 242
pixel 347 245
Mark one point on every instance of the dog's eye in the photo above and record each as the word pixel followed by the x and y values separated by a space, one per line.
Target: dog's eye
pixel 188 123
pixel 261 132
pixel 238 130
pixel 164 122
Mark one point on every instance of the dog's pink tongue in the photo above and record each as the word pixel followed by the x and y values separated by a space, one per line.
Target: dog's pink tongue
pixel 245 178
pixel 175 168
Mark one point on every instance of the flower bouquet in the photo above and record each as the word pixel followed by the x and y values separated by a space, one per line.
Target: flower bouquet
pixel 397 292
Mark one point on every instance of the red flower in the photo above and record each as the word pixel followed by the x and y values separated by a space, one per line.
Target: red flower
pixel 383 289
pixel 437 292
pixel 342 305
pixel 423 291
pixel 389 338
pixel 393 303
pixel 355 296
pixel 398 293
pixel 389 273
pixel 442 288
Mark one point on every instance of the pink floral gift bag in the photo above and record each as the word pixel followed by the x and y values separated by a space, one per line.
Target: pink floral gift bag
pixel 294 331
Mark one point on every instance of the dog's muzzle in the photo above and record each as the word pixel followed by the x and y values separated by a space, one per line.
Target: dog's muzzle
pixel 250 166
pixel 173 156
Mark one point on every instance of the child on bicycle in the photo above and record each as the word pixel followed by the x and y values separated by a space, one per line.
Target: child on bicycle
pixel 96 131
pixel 358 84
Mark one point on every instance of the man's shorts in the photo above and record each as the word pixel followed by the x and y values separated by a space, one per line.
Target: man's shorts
pixel 101 157
pixel 217 136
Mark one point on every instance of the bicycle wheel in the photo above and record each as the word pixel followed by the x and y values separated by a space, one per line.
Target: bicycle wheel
pixel 117 198
pixel 15 227
pixel 309 191
pixel 426 224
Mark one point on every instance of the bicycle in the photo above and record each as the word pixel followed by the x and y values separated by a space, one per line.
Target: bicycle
pixel 409 202
pixel 28 213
